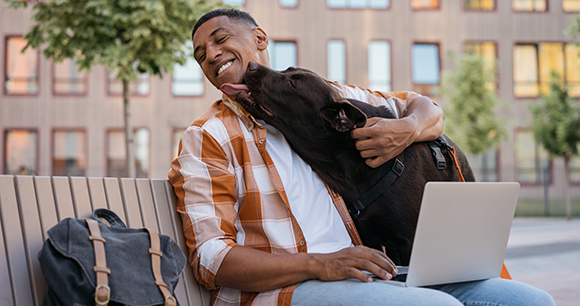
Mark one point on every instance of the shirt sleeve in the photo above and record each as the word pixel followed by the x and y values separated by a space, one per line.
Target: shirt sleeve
pixel 204 183
pixel 398 102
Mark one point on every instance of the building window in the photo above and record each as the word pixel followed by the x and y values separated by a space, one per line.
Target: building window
pixel 336 61
pixel 288 3
pixel 424 4
pixel 359 4
pixel 116 152
pixel 140 86
pixel 529 5
pixel 484 166
pixel 234 2
pixel 282 54
pixel 21 152
pixel 479 5
pixel 68 155
pixel 68 79
pixel 488 52
pixel 21 74
pixel 379 65
pixel 571 5
pixel 187 79
pixel 425 67
pixel 534 63
pixel 532 163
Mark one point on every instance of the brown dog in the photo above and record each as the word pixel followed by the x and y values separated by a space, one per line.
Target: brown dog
pixel 317 122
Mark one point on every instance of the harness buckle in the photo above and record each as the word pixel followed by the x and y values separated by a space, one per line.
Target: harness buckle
pixel 398 167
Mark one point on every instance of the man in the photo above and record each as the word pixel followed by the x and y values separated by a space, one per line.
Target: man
pixel 261 227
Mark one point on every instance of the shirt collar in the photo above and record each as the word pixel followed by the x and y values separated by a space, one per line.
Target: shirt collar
pixel 247 119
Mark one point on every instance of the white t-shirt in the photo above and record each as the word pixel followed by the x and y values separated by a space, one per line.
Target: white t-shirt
pixel 309 200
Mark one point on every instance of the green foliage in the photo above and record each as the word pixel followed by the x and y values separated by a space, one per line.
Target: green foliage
pixel 117 34
pixel 556 122
pixel 470 90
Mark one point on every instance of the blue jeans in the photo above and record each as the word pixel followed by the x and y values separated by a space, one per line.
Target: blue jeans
pixel 491 292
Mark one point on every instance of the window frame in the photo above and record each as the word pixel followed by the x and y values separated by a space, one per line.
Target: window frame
pixel 289 7
pixel 271 45
pixel 467 9
pixel 5 72
pixel 203 82
pixel 345 60
pixel 533 10
pixel 5 147
pixel 53 147
pixel 131 94
pixel 366 7
pixel 569 11
pixel 390 61
pixel 496 45
pixel 416 87
pixel 438 7
pixel 53 83
pixel 121 129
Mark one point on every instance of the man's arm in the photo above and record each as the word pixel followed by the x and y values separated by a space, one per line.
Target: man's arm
pixel 382 139
pixel 252 270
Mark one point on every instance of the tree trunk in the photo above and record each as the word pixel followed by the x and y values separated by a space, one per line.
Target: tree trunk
pixel 129 156
pixel 567 188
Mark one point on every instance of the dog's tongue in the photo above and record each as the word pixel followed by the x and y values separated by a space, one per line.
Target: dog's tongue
pixel 232 90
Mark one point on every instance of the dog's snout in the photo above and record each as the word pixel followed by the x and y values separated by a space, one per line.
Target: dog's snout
pixel 253 66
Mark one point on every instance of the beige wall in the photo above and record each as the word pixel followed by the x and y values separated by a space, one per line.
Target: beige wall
pixel 311 25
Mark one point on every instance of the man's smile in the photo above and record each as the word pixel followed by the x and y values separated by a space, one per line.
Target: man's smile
pixel 224 67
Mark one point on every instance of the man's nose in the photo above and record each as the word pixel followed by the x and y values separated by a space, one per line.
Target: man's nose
pixel 213 53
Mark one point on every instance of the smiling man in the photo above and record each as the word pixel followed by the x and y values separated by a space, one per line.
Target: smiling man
pixel 261 227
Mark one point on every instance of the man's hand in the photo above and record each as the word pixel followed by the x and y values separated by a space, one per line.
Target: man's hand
pixel 351 262
pixel 252 270
pixel 381 140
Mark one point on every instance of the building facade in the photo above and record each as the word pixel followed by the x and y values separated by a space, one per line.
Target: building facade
pixel 57 121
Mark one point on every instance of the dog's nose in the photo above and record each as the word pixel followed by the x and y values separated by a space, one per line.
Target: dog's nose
pixel 252 66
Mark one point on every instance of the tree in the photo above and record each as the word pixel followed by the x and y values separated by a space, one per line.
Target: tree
pixel 148 35
pixel 470 119
pixel 556 126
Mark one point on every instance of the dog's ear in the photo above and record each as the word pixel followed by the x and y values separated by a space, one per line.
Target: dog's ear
pixel 343 116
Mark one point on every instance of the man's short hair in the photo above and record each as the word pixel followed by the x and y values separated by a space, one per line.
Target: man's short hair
pixel 229 12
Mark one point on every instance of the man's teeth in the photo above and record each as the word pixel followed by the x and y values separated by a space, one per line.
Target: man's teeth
pixel 224 67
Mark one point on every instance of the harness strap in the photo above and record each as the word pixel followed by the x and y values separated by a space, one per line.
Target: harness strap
pixel 388 179
pixel 438 157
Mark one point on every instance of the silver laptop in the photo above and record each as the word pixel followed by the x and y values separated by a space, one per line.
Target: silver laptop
pixel 462 233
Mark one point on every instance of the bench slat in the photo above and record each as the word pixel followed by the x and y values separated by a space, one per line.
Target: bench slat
pixel 162 203
pixel 147 206
pixel 97 192
pixel 46 205
pixel 63 197
pixel 6 297
pixel 198 292
pixel 131 201
pixel 33 234
pixel 114 198
pixel 82 200
pixel 14 243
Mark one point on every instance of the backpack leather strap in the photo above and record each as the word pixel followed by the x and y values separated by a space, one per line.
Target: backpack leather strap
pixel 156 255
pixel 102 291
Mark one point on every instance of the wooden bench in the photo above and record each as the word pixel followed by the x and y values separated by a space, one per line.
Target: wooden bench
pixel 29 206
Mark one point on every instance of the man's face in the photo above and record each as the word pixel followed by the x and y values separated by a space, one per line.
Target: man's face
pixel 224 48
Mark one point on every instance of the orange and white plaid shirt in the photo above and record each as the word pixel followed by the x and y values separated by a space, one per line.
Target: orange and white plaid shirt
pixel 229 193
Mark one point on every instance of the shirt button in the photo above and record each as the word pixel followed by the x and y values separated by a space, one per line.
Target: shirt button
pixel 302 242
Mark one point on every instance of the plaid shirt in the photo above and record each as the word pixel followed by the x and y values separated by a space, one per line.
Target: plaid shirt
pixel 229 193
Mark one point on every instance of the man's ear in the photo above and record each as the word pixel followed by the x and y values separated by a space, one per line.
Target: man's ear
pixel 343 116
pixel 261 39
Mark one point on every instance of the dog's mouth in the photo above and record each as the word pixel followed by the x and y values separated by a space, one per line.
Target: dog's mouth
pixel 242 94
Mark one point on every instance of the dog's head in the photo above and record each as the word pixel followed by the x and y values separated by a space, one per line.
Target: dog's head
pixel 293 99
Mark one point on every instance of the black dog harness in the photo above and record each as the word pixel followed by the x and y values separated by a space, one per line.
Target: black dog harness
pixel 397 167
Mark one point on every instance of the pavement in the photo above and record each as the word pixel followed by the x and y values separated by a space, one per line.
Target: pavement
pixel 545 253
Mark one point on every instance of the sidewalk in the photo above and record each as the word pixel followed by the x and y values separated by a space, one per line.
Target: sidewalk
pixel 545 253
